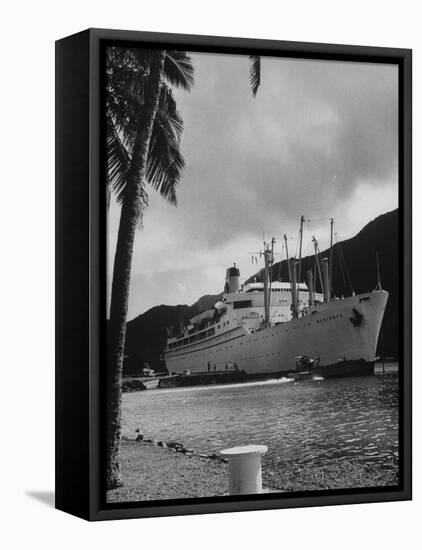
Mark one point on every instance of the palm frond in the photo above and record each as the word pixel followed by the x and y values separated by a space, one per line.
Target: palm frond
pixel 118 164
pixel 255 73
pixel 127 77
pixel 118 161
pixel 165 160
pixel 178 69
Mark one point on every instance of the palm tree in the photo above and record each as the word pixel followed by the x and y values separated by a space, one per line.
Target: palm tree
pixel 143 146
pixel 255 73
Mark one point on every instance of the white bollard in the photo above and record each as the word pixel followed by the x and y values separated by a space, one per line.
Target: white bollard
pixel 245 473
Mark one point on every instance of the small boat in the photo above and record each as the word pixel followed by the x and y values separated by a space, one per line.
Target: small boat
pixel 150 383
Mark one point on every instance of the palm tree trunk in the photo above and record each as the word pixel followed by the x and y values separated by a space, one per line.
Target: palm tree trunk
pixel 129 217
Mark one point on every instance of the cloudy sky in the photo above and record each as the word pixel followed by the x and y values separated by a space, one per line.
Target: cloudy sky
pixel 320 139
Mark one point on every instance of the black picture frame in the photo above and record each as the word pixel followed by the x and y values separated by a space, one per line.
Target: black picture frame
pixel 80 273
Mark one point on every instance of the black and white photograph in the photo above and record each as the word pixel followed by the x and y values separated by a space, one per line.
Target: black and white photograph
pixel 209 255
pixel 252 274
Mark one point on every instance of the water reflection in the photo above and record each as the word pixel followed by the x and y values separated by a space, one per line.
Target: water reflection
pixel 316 421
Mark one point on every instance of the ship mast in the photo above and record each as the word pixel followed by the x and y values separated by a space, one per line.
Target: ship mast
pixel 270 277
pixel 318 264
pixel 294 286
pixel 268 254
pixel 302 221
pixel 331 259
pixel 288 259
pixel 268 259
pixel 292 266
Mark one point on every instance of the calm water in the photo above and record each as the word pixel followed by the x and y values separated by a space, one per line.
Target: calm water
pixel 311 421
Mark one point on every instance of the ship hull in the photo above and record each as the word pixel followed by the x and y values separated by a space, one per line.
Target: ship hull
pixel 336 334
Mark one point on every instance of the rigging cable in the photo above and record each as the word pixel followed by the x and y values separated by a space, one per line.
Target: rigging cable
pixel 280 262
pixel 340 262
pixel 343 260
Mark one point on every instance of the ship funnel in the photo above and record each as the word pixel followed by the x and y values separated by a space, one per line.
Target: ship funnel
pixel 232 280
pixel 311 288
pixel 325 274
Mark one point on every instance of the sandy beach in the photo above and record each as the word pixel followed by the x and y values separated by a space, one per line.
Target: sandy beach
pixel 155 473
pixel 151 472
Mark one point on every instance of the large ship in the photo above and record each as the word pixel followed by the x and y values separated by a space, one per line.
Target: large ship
pixel 271 328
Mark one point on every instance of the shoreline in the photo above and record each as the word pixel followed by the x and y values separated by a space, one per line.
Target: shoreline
pixel 153 472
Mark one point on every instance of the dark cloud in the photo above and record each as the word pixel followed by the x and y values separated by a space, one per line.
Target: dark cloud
pixel 314 132
pixel 319 139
